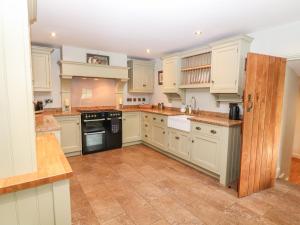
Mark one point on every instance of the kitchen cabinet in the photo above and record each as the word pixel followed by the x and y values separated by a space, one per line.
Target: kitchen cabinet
pixel 205 152
pixel 179 143
pixel 41 68
pixel 131 127
pixel 228 65
pixel 70 134
pixel 141 74
pixel 171 73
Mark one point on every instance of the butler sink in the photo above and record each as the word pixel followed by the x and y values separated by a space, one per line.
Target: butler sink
pixel 180 122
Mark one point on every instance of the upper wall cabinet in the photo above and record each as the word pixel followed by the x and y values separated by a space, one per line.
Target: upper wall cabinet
pixel 41 68
pixel 172 70
pixel 141 75
pixel 171 78
pixel 228 65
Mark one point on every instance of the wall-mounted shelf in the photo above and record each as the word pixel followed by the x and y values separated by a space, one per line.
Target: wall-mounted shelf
pixel 196 68
pixel 191 86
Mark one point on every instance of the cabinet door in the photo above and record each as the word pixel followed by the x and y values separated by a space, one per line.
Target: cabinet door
pixel 174 142
pixel 138 78
pixel 148 78
pixel 225 69
pixel 205 153
pixel 159 137
pixel 171 68
pixel 183 150
pixel 41 72
pixel 70 134
pixel 131 127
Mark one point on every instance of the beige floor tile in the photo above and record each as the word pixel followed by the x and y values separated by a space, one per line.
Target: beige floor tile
pixel 139 186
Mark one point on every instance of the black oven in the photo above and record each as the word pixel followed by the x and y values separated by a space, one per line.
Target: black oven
pixel 101 131
pixel 93 132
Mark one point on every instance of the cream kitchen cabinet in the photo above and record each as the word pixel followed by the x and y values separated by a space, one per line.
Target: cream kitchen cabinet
pixel 154 130
pixel 171 73
pixel 131 127
pixel 228 65
pixel 141 74
pixel 179 143
pixel 70 134
pixel 206 152
pixel 216 149
pixel 41 68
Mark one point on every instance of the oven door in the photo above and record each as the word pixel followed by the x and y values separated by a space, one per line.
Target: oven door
pixel 93 141
pixel 93 125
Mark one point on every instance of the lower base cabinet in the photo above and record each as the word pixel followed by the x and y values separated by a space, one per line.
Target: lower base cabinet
pixel 205 152
pixel 214 149
pixel 70 134
pixel 179 143
pixel 131 127
pixel 159 137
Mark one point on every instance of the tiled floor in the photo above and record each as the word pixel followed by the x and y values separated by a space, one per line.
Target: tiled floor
pixel 295 171
pixel 139 186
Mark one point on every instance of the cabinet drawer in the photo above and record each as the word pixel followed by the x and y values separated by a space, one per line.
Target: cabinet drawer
pixel 206 129
pixel 159 120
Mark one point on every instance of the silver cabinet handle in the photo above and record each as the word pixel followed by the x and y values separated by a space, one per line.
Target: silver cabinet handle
pixel 213 131
pixel 198 128
pixel 94 133
pixel 93 120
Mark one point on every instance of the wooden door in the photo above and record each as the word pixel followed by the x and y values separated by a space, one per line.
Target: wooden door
pixel 262 115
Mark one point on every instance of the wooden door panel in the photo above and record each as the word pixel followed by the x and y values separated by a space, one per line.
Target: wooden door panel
pixel 262 113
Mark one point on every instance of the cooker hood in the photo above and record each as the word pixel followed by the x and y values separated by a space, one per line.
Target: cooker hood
pixel 71 69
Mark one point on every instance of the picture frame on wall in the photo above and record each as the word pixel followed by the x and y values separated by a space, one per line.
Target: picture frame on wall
pixel 97 59
pixel 160 77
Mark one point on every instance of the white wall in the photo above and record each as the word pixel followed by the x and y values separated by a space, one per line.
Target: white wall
pixel 278 41
pixel 55 76
pixel 289 109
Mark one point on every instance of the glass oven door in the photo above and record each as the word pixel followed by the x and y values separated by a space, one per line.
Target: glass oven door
pixel 93 125
pixel 93 141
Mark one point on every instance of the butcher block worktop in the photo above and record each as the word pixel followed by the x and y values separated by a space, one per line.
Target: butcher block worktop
pixel 52 166
pixel 214 118
pixel 46 123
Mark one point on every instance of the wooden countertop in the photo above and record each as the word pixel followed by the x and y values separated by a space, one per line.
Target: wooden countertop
pixel 219 119
pixel 46 123
pixel 52 166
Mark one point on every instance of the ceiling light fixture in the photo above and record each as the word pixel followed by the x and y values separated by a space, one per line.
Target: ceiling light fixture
pixel 148 50
pixel 198 32
pixel 53 34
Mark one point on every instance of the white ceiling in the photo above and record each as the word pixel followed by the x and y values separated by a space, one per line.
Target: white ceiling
pixel 163 26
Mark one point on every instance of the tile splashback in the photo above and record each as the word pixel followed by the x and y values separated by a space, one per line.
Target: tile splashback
pixel 91 92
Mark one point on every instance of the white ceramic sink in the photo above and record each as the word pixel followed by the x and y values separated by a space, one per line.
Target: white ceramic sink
pixel 180 122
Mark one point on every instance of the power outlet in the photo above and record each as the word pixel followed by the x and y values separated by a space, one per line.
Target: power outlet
pixel 48 101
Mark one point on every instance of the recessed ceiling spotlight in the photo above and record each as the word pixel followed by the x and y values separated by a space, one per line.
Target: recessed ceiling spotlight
pixel 148 50
pixel 53 34
pixel 198 32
